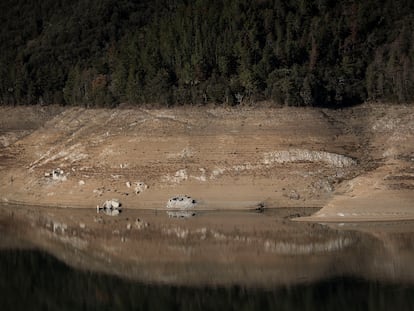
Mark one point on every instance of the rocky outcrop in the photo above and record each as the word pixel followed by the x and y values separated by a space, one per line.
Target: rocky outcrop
pixel 56 174
pixel 304 155
pixel 181 202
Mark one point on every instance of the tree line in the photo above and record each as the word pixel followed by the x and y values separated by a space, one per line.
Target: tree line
pixel 176 52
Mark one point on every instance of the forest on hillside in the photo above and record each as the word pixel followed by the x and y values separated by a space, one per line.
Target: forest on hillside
pixel 175 52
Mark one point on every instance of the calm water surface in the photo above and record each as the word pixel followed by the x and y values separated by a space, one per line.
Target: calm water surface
pixel 374 270
pixel 33 280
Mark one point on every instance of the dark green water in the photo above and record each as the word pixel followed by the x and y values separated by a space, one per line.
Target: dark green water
pixel 33 280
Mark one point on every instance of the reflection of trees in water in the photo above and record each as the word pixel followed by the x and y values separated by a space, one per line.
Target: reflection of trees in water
pixel 33 280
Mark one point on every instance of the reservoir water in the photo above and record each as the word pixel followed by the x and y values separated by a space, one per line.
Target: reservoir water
pixel 142 260
pixel 33 280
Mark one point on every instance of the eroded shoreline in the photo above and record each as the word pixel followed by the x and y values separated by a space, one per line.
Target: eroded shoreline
pixel 352 162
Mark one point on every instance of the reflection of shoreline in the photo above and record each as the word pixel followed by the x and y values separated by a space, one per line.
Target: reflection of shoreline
pixel 217 249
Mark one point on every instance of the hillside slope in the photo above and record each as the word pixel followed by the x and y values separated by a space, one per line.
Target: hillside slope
pixel 347 160
pixel 296 53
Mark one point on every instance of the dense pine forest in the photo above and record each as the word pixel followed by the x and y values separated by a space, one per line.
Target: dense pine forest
pixel 174 52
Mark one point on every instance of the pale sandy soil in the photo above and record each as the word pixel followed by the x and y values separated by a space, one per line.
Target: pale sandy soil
pixel 357 163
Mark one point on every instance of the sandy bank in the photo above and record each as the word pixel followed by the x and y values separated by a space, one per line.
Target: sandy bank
pixel 354 162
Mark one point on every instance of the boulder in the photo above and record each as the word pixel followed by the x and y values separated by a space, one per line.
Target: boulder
pixel 181 202
pixel 110 207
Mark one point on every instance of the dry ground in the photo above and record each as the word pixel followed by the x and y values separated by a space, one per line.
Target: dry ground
pixel 357 163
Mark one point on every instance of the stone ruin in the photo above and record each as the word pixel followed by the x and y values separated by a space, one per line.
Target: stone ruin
pixel 56 174
pixel 181 202
pixel 110 207
pixel 138 186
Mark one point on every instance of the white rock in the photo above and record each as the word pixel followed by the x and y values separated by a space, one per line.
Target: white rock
pixel 300 155
pixel 115 203
pixel 181 202
pixel 178 177
pixel 107 205
pixel 110 207
pixel 139 187
pixel 57 174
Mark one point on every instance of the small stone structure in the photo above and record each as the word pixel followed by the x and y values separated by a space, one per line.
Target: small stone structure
pixel 139 186
pixel 56 174
pixel 110 207
pixel 181 202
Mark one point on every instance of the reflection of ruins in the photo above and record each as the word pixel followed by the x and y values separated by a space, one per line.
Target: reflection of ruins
pixel 214 247
pixel 181 214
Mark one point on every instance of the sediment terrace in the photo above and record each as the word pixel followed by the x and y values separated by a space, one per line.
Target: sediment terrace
pixel 342 160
